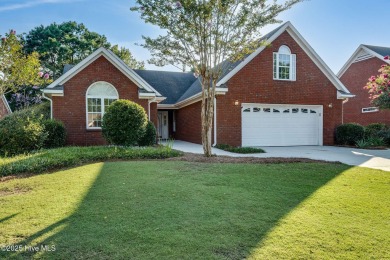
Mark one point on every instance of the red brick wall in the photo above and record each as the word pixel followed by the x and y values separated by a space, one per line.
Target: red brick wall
pixel 71 108
pixel 355 78
pixel 3 108
pixel 188 123
pixel 254 84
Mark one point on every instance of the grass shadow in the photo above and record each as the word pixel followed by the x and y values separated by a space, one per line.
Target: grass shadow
pixel 181 210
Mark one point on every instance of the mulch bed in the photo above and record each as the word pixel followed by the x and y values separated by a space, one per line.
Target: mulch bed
pixel 191 157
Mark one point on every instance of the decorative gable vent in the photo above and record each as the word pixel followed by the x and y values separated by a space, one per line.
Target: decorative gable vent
pixel 363 55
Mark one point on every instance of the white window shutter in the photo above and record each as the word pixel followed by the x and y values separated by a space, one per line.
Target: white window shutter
pixel 275 65
pixel 293 67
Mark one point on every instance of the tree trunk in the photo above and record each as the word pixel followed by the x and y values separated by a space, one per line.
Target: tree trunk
pixel 207 115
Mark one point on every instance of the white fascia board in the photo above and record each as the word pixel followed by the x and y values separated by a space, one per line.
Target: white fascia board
pixel 221 90
pixel 52 91
pixel 344 95
pixel 117 62
pixel 251 56
pixel 353 57
pixel 316 58
pixel 6 104
pixel 166 106
pixel 349 61
pixel 147 95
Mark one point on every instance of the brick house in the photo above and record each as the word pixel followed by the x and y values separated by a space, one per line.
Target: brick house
pixel 364 63
pixel 4 107
pixel 280 95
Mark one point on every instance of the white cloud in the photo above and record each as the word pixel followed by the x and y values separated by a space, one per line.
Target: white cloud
pixel 28 4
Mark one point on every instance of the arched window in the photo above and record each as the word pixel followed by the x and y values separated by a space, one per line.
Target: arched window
pixel 98 97
pixel 284 64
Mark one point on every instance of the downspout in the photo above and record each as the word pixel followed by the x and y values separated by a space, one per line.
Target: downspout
pixel 51 104
pixel 149 102
pixel 215 122
pixel 342 110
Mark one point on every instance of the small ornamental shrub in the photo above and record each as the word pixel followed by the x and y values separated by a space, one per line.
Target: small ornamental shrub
pixel 18 135
pixel 373 129
pixel 385 135
pixel 149 137
pixel 56 134
pixel 124 123
pixel 349 134
pixel 244 150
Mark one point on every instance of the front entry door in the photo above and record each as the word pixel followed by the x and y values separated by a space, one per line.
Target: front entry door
pixel 162 124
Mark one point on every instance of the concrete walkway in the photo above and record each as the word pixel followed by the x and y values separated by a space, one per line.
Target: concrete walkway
pixel 376 159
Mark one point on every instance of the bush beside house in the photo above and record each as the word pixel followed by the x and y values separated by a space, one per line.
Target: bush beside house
pixel 30 129
pixel 124 123
pixel 372 135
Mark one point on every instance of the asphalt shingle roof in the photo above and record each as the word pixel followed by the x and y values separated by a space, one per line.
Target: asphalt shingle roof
pixel 171 85
pixel 383 51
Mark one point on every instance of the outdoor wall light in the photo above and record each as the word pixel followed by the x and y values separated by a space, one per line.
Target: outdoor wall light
pixel 236 103
pixel 330 105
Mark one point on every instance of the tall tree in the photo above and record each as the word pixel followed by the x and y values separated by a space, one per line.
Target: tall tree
pixel 379 87
pixel 69 43
pixel 16 68
pixel 201 34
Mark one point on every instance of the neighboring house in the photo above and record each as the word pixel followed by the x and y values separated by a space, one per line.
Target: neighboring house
pixel 364 63
pixel 279 95
pixel 4 107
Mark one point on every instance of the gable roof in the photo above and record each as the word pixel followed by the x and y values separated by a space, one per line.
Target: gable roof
pixel 302 43
pixel 170 84
pixel 365 52
pixel 227 67
pixel 111 57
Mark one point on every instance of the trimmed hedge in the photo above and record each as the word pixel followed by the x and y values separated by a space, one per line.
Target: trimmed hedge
pixel 349 134
pixel 124 123
pixel 30 129
pixel 372 130
pixel 46 160
pixel 19 135
pixel 150 135
pixel 243 150
pixel 56 134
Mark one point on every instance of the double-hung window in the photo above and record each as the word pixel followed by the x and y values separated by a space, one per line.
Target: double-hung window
pixel 284 64
pixel 99 96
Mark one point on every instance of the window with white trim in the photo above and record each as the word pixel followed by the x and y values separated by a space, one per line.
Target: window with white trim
pixel 284 64
pixel 99 96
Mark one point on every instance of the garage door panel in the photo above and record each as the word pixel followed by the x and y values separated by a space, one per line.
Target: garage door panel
pixel 263 125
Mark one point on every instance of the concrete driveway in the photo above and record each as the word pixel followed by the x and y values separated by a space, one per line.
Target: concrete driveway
pixel 376 159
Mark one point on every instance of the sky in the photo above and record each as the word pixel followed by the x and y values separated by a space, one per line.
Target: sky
pixel 334 28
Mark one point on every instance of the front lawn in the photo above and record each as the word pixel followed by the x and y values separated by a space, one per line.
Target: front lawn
pixel 184 210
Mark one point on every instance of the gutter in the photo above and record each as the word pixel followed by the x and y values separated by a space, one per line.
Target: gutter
pixel 51 104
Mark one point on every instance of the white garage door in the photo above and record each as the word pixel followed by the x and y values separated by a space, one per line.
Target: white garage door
pixel 281 125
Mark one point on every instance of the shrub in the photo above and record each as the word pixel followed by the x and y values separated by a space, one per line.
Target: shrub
pixel 124 123
pixel 243 150
pixel 349 134
pixel 45 160
pixel 18 135
pixel 149 137
pixel 372 130
pixel 36 112
pixel 56 134
pixel 385 135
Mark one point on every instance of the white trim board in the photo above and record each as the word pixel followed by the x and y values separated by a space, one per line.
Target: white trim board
pixel 111 57
pixel 353 58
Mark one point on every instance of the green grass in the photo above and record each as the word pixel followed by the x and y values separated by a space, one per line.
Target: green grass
pixel 45 160
pixel 244 150
pixel 182 210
